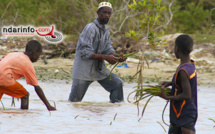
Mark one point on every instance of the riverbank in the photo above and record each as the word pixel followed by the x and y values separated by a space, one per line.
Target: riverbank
pixel 161 68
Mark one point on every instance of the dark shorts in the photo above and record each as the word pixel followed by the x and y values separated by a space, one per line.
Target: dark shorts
pixel 173 129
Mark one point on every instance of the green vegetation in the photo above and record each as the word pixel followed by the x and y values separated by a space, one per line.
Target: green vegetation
pixel 71 16
pixel 2 105
pixel 147 92
pixel 203 38
pixel 194 18
pixel 212 120
pixel 150 14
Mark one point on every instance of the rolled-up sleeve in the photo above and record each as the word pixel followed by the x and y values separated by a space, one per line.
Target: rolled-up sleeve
pixel 85 42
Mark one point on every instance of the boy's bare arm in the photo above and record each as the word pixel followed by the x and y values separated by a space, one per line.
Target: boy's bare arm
pixel 183 82
pixel 42 96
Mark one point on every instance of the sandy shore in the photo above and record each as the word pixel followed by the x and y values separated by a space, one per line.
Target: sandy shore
pixel 159 70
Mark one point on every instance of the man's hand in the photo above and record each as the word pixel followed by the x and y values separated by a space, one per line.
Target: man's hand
pixel 119 57
pixel 111 59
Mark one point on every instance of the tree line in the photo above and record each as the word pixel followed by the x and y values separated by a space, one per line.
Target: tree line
pixel 71 16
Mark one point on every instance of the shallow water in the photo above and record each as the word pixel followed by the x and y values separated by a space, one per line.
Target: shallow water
pixel 94 114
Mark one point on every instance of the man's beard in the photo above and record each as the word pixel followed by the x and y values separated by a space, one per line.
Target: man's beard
pixel 104 20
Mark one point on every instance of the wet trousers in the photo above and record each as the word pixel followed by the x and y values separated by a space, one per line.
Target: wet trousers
pixel 114 86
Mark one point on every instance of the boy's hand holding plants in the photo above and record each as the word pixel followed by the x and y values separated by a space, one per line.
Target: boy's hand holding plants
pixel 162 94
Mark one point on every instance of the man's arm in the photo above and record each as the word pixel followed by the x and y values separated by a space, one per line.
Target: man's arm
pixel 109 58
pixel 42 96
pixel 183 82
pixel 119 56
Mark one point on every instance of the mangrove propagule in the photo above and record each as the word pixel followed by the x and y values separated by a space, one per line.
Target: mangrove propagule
pixel 147 92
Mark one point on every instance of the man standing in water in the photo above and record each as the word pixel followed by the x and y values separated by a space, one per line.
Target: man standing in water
pixel 93 48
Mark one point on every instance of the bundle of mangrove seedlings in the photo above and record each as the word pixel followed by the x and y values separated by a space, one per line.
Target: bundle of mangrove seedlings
pixel 143 92
pixel 115 65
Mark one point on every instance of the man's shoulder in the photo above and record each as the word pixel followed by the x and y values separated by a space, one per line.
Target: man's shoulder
pixel 90 27
pixel 91 24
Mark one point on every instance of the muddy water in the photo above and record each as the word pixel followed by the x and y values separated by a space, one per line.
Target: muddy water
pixel 95 114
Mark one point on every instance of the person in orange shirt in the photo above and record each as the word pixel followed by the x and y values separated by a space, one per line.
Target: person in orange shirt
pixel 16 65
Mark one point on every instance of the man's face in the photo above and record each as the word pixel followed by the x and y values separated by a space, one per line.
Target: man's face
pixel 104 15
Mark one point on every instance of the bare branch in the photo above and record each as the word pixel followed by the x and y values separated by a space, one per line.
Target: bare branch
pixel 211 13
pixel 60 23
pixel 125 7
pixel 123 22
pixel 170 12
pixel 45 19
pixel 77 31
pixel 6 9
pixel 14 20
pixel 171 15
pixel 127 17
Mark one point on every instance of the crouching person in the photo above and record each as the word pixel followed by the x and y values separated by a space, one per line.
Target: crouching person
pixel 16 65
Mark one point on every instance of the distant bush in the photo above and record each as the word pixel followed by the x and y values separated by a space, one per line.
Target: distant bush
pixel 71 16
pixel 191 18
